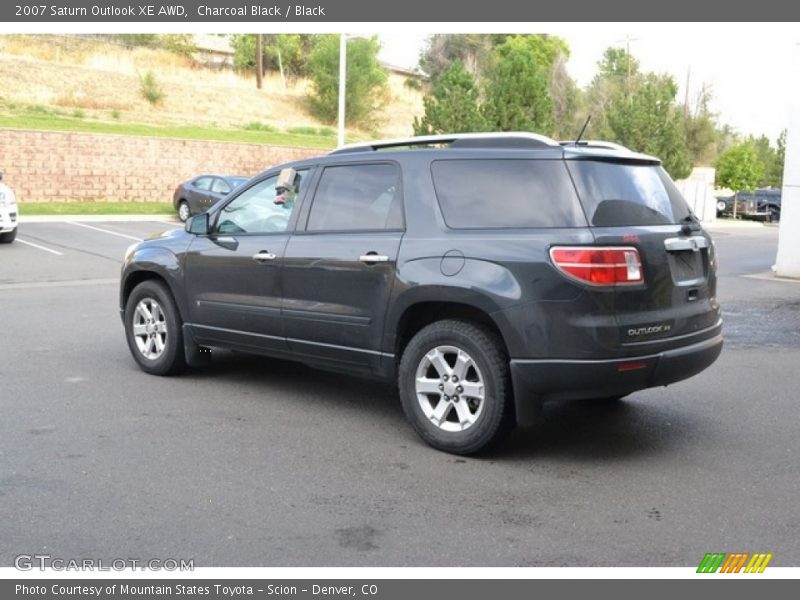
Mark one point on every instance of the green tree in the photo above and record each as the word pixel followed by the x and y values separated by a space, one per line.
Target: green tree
pixel 767 156
pixel 366 84
pixel 453 106
pixel 518 84
pixel 568 118
pixel 472 50
pixel 647 120
pixel 727 138
pixel 739 168
pixel 772 157
pixel 138 39
pixel 702 135
pixel 617 63
pixel 638 111
pixel 609 89
pixel 775 178
pixel 292 48
pixel 179 43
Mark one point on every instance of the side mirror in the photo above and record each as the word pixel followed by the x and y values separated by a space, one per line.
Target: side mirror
pixel 198 224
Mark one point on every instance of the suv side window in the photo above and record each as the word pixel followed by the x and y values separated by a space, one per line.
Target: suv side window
pixel 364 197
pixel 506 193
pixel 202 183
pixel 259 209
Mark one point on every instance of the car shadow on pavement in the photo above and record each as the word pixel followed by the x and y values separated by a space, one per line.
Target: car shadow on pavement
pixel 577 430
pixel 300 383
pixel 592 430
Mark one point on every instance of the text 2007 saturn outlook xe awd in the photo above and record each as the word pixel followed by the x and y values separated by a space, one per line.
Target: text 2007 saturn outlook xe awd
pixel 485 273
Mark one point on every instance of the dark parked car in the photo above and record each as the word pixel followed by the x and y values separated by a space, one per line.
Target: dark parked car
pixel 763 204
pixel 485 273
pixel 201 193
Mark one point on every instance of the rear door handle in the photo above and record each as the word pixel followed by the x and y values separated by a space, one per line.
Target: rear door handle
pixel 264 256
pixel 371 257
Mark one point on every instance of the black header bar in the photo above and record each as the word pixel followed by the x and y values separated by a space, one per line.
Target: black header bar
pixel 359 11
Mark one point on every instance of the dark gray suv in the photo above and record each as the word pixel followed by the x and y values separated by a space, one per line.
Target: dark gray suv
pixel 485 273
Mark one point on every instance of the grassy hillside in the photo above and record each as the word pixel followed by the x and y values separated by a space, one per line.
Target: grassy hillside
pixel 76 84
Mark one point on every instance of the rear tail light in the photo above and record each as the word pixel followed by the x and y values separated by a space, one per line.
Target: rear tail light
pixel 601 266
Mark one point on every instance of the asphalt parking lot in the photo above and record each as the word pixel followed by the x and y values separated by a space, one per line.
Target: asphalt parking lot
pixel 258 462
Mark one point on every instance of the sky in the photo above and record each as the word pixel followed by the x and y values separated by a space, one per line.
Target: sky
pixel 750 70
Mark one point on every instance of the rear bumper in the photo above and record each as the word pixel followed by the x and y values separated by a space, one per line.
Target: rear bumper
pixel 537 381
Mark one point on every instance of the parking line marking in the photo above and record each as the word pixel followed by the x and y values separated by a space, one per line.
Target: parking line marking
pixel 122 235
pixel 56 252
pixel 30 285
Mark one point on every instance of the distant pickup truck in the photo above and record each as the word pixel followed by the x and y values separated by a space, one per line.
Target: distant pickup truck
pixel 762 204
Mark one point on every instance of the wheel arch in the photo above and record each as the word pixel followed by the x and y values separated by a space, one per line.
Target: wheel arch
pixel 421 313
pixel 134 277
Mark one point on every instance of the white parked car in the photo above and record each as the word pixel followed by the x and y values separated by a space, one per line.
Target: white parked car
pixel 9 213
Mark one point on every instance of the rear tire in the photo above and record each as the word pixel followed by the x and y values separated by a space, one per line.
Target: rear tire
pixel 153 329
pixel 455 386
pixel 184 212
pixel 9 236
pixel 774 214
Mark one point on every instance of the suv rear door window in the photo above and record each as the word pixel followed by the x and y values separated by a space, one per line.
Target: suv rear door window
pixel 620 194
pixel 506 193
pixel 357 198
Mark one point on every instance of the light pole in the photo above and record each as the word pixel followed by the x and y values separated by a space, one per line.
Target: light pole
pixel 787 262
pixel 342 84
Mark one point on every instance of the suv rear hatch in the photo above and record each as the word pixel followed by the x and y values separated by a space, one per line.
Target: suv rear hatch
pixel 632 202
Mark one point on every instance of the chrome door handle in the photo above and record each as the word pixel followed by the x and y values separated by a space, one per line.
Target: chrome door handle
pixel 373 258
pixel 264 256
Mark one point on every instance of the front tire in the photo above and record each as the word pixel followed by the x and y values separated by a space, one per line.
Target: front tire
pixel 774 214
pixel 8 237
pixel 184 212
pixel 455 386
pixel 153 329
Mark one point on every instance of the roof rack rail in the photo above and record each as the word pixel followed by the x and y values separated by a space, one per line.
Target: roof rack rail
pixel 513 139
pixel 595 144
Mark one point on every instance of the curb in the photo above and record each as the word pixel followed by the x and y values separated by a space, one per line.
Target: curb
pixel 731 224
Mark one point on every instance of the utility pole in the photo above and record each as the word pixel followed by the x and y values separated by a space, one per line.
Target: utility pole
pixel 787 263
pixel 280 66
pixel 686 97
pixel 628 59
pixel 259 61
pixel 628 39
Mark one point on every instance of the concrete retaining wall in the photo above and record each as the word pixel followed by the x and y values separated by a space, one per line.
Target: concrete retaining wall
pixel 45 166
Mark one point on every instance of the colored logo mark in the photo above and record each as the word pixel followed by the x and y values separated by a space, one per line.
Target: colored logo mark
pixel 734 562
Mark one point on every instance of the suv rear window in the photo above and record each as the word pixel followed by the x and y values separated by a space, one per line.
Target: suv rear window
pixel 618 194
pixel 506 193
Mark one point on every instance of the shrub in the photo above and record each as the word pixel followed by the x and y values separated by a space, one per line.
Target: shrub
pixel 151 89
pixel 258 126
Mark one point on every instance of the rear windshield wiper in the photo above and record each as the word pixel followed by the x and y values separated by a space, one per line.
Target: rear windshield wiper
pixel 690 223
